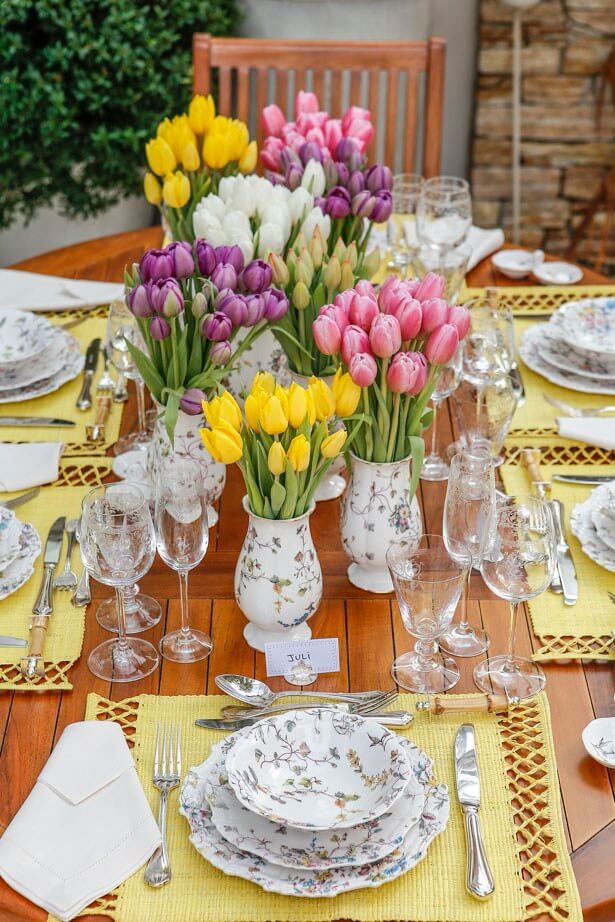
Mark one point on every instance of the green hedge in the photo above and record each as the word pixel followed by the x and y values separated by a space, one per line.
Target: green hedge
pixel 82 85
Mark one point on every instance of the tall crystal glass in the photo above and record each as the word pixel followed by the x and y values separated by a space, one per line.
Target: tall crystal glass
pixel 517 564
pixel 468 509
pixel 444 212
pixel 121 329
pixel 489 347
pixel 182 537
pixel 428 584
pixel 451 264
pixel 406 191
pixel 484 413
pixel 118 547
pixel 435 467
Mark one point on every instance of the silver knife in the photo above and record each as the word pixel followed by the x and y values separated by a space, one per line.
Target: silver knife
pixel 584 478
pixel 32 665
pixel 386 718
pixel 479 879
pixel 19 500
pixel 565 565
pixel 84 400
pixel 35 421
pixel 6 641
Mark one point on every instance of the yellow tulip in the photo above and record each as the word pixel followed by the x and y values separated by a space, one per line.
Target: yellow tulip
pixel 279 269
pixel 190 157
pixel 152 189
pixel 177 133
pixel 347 276
pixel 201 113
pixel 160 156
pixel 333 444
pixel 223 408
pixel 248 160
pixel 238 139
pixel 272 418
pixel 324 400
pixel 299 453
pixel 311 406
pixel 264 380
pixel 332 275
pixel 223 443
pixel 318 247
pixel 216 151
pixel 282 394
pixel 176 189
pixel 301 296
pixel 297 405
pixel 347 394
pixel 276 459
pixel 252 411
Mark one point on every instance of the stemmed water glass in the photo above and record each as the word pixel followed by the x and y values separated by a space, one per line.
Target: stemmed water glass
pixel 517 564
pixel 428 583
pixel 121 329
pixel 406 191
pixel 444 212
pixel 451 264
pixel 182 537
pixel 435 466
pixel 484 412
pixel 469 507
pixel 118 547
pixel 489 347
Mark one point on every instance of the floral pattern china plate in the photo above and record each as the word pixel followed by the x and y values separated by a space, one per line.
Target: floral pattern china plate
pixel 599 740
pixel 316 849
pixel 590 324
pixel 603 514
pixel 10 530
pixel 583 528
pixel 47 364
pixel 73 364
pixel 561 354
pixel 318 769
pixel 22 336
pixel 21 568
pixel 529 350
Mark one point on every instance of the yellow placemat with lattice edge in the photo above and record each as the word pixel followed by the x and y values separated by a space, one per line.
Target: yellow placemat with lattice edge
pixel 521 819
pixel 536 300
pixel 64 639
pixel 570 631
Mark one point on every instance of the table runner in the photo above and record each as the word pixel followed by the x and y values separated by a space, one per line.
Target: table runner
pixel 521 818
pixel 570 631
pixel 541 300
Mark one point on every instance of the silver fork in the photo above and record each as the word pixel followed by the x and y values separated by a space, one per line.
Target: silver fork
pixel 82 594
pixel 365 708
pixel 167 772
pixel 106 382
pixel 67 578
pixel 577 411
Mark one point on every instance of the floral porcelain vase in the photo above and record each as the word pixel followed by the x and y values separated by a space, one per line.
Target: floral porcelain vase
pixel 278 580
pixel 265 354
pixel 333 484
pixel 188 444
pixel 377 510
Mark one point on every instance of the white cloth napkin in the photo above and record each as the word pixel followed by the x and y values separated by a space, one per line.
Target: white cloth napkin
pixel 28 464
pixel 34 292
pixel 595 430
pixel 482 241
pixel 85 827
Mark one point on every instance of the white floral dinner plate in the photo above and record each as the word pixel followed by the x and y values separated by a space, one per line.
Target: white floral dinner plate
pixel 10 530
pixel 603 514
pixel 316 849
pixel 48 363
pixel 73 364
pixel 599 740
pixel 529 350
pixel 21 568
pixel 582 525
pixel 589 323
pixel 308 882
pixel 22 336
pixel 318 769
pixel 556 351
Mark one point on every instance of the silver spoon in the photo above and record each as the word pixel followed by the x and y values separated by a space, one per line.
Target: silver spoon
pixel 258 694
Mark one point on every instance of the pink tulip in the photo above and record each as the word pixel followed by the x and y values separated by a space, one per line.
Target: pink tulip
pixel 332 130
pixel 316 135
pixel 362 132
pixel 365 288
pixel 363 369
pixel 432 286
pixel 407 373
pixel 273 120
pixel 309 120
pixel 306 102
pixel 435 312
pixel 288 128
pixel 295 141
pixel 389 294
pixel 337 313
pixel 344 298
pixel 410 317
pixel 270 153
pixel 354 340
pixel 354 112
pixel 459 316
pixel 362 311
pixel 442 344
pixel 327 334
pixel 385 336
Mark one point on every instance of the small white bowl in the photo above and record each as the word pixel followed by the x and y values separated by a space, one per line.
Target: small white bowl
pixel 599 740
pixel 556 273
pixel 514 264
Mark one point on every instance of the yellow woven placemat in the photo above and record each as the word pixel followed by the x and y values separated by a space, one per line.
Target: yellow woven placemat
pixel 537 300
pixel 570 631
pixel 61 403
pixel 521 819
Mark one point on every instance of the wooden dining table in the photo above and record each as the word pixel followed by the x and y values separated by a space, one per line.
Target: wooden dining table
pixel 368 627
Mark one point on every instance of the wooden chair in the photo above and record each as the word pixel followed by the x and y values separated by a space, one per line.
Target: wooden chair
pixel 391 79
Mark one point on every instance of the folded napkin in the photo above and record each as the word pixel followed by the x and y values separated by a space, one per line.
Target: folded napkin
pixel 482 241
pixel 28 464
pixel 86 825
pixel 595 430
pixel 30 291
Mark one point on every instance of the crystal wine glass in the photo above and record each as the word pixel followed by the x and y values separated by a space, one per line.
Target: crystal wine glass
pixel 451 264
pixel 444 212
pixel 182 537
pixel 517 564
pixel 118 548
pixel 406 191
pixel 121 329
pixel 484 413
pixel 428 583
pixel 435 466
pixel 489 347
pixel 468 509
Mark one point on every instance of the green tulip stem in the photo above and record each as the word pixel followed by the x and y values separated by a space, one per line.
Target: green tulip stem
pixel 369 439
pixel 383 420
pixel 174 347
pixel 393 430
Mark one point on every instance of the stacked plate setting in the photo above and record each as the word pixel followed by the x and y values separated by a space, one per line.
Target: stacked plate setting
pixel 19 547
pixel 36 357
pixel 576 348
pixel 593 523
pixel 314 803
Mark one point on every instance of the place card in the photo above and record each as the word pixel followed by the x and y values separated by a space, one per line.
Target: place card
pixel 321 655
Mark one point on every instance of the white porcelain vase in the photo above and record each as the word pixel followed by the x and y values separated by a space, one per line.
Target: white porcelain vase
pixel 188 444
pixel 265 354
pixel 278 579
pixel 333 484
pixel 378 510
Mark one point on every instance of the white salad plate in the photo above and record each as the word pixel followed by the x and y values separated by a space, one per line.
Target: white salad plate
pixel 23 336
pixel 316 849
pixel 516 264
pixel 21 568
pixel 529 350
pixel 557 273
pixel 589 324
pixel 558 352
pixel 318 769
pixel 48 363
pixel 582 525
pixel 599 740
pixel 72 366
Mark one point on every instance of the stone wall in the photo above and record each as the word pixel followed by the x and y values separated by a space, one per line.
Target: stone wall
pixel 565 153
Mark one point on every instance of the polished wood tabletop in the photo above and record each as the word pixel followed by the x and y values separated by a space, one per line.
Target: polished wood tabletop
pixel 368 627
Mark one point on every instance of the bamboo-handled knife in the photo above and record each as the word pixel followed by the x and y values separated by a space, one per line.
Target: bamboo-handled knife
pixel 479 879
pixel 33 665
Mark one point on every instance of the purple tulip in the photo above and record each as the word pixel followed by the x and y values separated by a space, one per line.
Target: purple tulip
pixel 155 264
pixel 276 179
pixel 256 309
pixel 158 291
pixel 288 157
pixel 138 301
pixel 232 255
pixel 345 149
pixel 293 176
pixel 363 204
pixel 206 257
pixel 338 203
pixel 216 326
pixel 224 276
pixel 170 299
pixel 378 177
pixel 256 276
pixel 356 182
pixel 330 173
pixel 343 174
pixel 192 401
pixel 199 305
pixel 320 202
pixel 159 328
pixel 183 262
pixel 383 206
pixel 310 151
pixel 233 305
pixel 276 304
pixel 220 353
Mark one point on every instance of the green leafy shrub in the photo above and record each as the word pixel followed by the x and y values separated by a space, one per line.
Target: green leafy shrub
pixel 83 84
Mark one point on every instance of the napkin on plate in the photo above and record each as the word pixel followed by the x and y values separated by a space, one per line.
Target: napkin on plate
pixel 34 292
pixel 595 430
pixel 28 464
pixel 85 827
pixel 482 241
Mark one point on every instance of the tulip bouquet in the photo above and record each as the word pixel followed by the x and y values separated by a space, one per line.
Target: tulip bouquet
pixel 190 303
pixel 393 344
pixel 284 441
pixel 188 157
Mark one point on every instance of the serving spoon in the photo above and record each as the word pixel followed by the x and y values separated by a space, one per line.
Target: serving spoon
pixel 258 694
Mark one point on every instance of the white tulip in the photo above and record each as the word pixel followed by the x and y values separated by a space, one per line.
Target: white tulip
pixel 316 219
pixel 299 204
pixel 242 197
pixel 264 194
pixel 214 204
pixel 226 187
pixel 276 214
pixel 237 222
pixel 314 179
pixel 246 245
pixel 204 222
pixel 270 237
